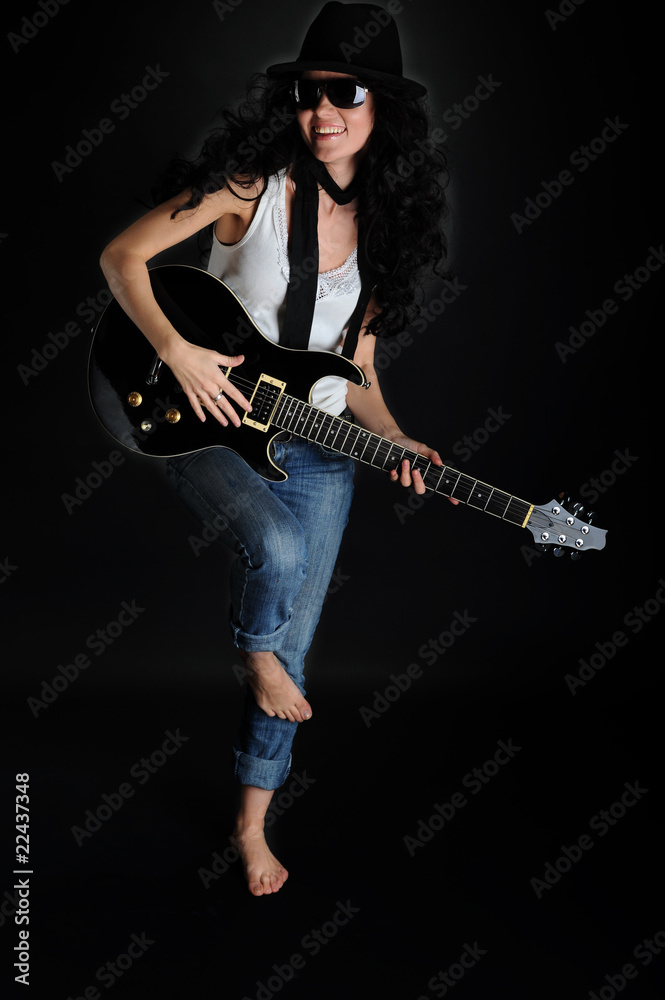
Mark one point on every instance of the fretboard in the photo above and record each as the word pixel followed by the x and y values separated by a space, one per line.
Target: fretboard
pixel 306 421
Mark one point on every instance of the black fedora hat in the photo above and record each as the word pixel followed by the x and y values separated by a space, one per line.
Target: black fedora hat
pixel 356 38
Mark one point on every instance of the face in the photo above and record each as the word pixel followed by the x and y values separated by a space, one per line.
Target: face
pixel 336 134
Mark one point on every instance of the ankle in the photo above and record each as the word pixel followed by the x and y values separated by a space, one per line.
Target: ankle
pixel 255 662
pixel 245 829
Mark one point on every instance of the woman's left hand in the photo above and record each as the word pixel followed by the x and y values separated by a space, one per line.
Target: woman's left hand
pixel 412 477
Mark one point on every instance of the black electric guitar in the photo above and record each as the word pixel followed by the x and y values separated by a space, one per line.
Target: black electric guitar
pixel 139 402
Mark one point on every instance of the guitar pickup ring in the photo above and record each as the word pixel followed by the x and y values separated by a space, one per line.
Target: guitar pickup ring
pixel 264 406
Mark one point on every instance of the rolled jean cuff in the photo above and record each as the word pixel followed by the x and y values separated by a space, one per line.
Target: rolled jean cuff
pixel 270 642
pixel 268 774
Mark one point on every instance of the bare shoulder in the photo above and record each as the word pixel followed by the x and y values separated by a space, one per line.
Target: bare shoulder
pixel 239 196
pixel 172 222
pixel 236 206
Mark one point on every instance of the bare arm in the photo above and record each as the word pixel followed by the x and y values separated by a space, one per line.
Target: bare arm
pixel 124 263
pixel 370 410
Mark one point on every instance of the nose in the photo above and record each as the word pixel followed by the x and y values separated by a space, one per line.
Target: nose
pixel 323 101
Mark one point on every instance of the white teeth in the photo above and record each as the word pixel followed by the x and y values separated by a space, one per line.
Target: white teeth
pixel 328 129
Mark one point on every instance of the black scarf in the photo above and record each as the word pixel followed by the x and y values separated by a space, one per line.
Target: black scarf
pixel 304 257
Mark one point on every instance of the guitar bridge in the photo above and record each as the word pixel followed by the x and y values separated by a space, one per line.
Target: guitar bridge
pixel 267 394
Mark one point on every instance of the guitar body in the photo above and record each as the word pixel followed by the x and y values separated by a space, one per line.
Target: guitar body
pixel 138 400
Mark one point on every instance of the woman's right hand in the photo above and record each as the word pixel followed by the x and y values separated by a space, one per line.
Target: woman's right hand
pixel 198 373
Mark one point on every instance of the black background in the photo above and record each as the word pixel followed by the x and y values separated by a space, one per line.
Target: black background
pixel 402 572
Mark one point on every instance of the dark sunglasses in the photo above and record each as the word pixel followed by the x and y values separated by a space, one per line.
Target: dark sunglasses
pixel 343 93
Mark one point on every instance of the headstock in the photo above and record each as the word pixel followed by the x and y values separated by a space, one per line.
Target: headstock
pixel 565 524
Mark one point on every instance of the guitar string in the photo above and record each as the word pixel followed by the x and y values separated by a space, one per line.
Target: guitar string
pixel 539 518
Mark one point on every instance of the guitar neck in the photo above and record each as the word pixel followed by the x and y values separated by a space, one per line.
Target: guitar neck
pixel 306 421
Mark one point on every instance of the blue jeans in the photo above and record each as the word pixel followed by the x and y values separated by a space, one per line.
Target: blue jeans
pixel 286 537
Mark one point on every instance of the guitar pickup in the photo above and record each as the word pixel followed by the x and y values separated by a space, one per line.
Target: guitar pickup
pixel 267 394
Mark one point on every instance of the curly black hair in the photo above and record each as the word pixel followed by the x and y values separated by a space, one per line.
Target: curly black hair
pixel 402 202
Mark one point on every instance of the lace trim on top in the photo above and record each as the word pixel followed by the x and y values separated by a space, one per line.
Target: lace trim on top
pixel 343 280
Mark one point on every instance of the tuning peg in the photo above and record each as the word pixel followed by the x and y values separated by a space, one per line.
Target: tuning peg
pixel 590 516
pixel 575 555
pixel 558 551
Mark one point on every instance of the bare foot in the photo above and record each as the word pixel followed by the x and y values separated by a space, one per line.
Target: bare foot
pixel 263 871
pixel 273 689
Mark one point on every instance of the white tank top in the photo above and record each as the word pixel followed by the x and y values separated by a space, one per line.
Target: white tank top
pixel 257 269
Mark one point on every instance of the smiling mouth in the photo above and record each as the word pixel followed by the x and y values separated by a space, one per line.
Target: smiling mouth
pixel 328 129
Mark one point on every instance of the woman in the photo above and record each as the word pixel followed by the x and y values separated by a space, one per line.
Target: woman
pixel 324 235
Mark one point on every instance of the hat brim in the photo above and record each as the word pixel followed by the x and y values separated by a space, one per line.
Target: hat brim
pixel 293 69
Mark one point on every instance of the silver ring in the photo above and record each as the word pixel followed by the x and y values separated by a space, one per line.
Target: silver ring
pixel 218 397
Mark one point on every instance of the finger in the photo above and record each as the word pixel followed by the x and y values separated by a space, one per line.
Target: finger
pixel 222 404
pixel 418 484
pixel 196 405
pixel 230 390
pixel 405 476
pixel 223 411
pixel 229 360
pixel 229 387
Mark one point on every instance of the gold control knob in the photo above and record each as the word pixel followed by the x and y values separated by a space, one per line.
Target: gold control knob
pixel 135 399
pixel 146 425
pixel 173 416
